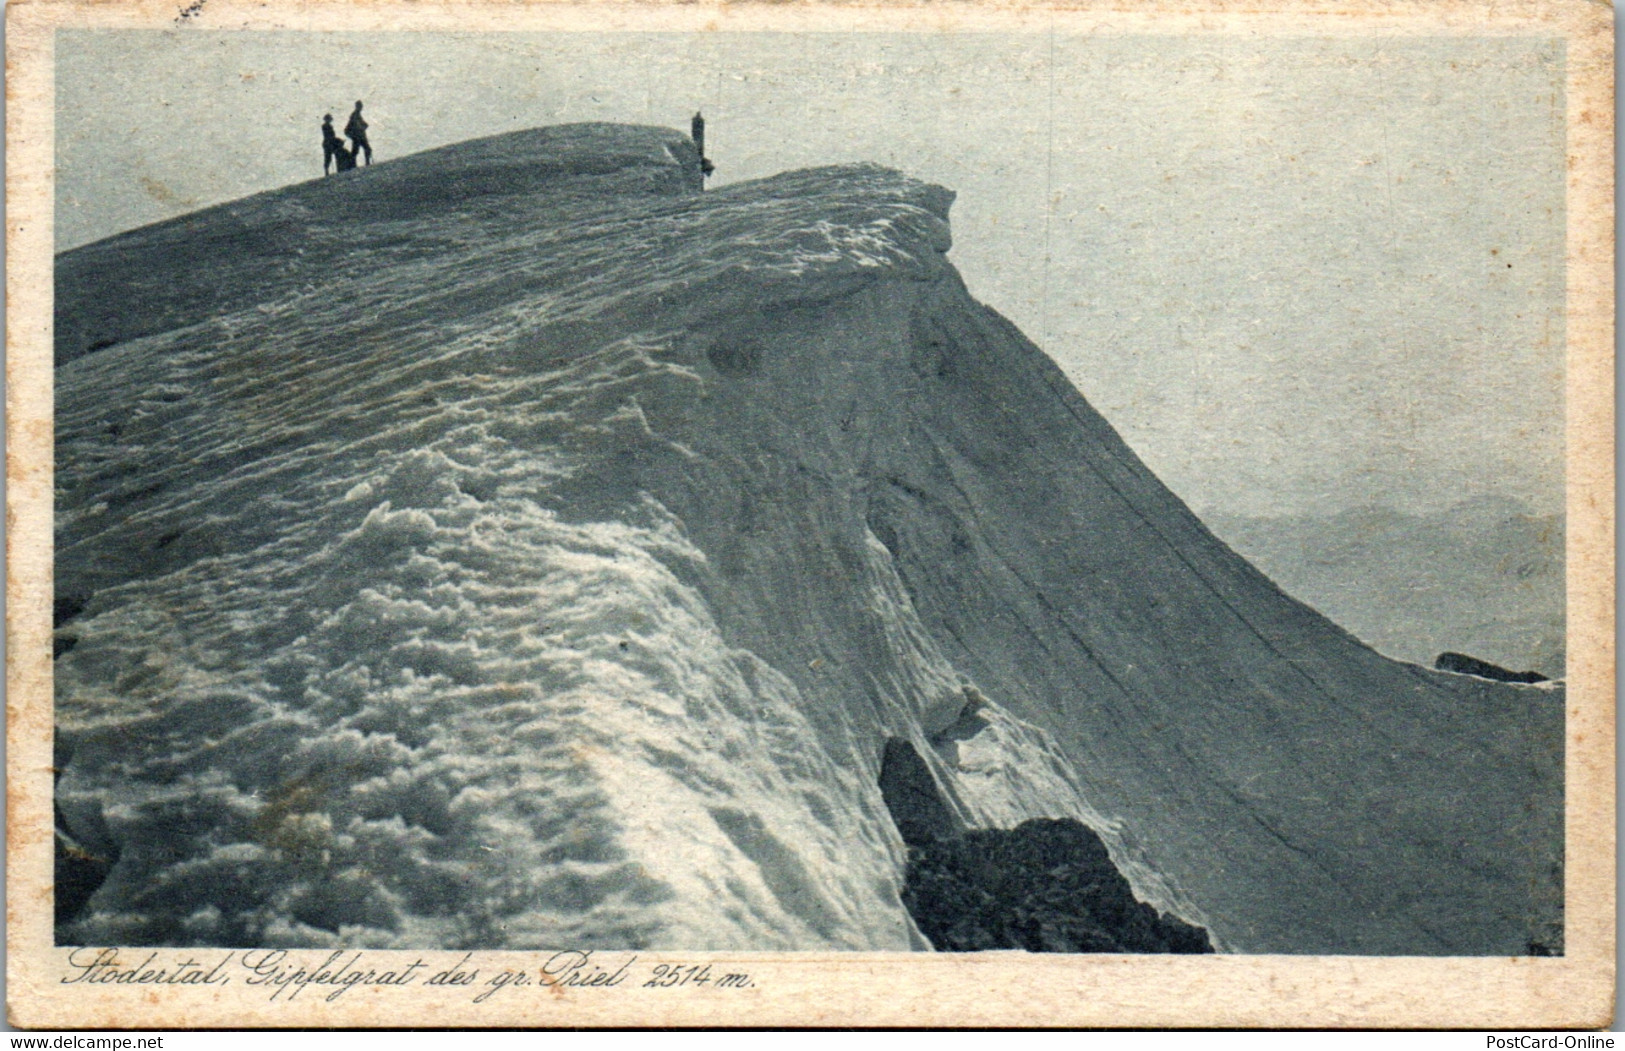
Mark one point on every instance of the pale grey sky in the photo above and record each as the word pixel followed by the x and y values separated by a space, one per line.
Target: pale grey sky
pixel 1296 274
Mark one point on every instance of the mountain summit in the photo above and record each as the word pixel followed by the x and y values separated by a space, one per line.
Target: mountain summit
pixel 511 545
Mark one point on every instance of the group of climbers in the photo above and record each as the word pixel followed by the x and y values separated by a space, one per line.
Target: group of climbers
pixel 335 153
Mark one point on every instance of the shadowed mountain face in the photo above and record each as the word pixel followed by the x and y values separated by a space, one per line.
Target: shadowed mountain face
pixel 550 561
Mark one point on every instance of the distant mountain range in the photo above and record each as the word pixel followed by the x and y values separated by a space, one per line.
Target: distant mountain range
pixel 1484 577
pixel 513 545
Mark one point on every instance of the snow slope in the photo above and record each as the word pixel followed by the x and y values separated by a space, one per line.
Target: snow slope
pixel 1483 577
pixel 510 545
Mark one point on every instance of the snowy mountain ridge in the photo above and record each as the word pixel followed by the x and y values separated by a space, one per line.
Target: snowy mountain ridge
pixel 513 546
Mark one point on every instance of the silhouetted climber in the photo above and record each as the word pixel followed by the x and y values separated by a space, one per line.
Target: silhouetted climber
pixel 696 131
pixel 357 131
pixel 332 146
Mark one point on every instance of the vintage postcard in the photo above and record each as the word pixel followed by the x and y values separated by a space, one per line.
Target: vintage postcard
pixel 873 514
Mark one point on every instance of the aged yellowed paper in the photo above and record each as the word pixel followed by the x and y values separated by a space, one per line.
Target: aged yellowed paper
pixel 879 514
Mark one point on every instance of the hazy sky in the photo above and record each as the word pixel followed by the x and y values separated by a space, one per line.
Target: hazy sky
pixel 1296 274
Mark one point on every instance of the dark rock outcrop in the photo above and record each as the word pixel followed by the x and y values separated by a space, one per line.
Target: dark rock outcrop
pixel 777 487
pixel 1044 886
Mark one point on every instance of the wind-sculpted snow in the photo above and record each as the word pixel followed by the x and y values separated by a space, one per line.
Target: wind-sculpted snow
pixel 544 565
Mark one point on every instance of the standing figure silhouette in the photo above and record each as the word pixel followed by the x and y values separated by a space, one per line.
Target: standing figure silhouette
pixel 332 146
pixel 696 131
pixel 357 131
